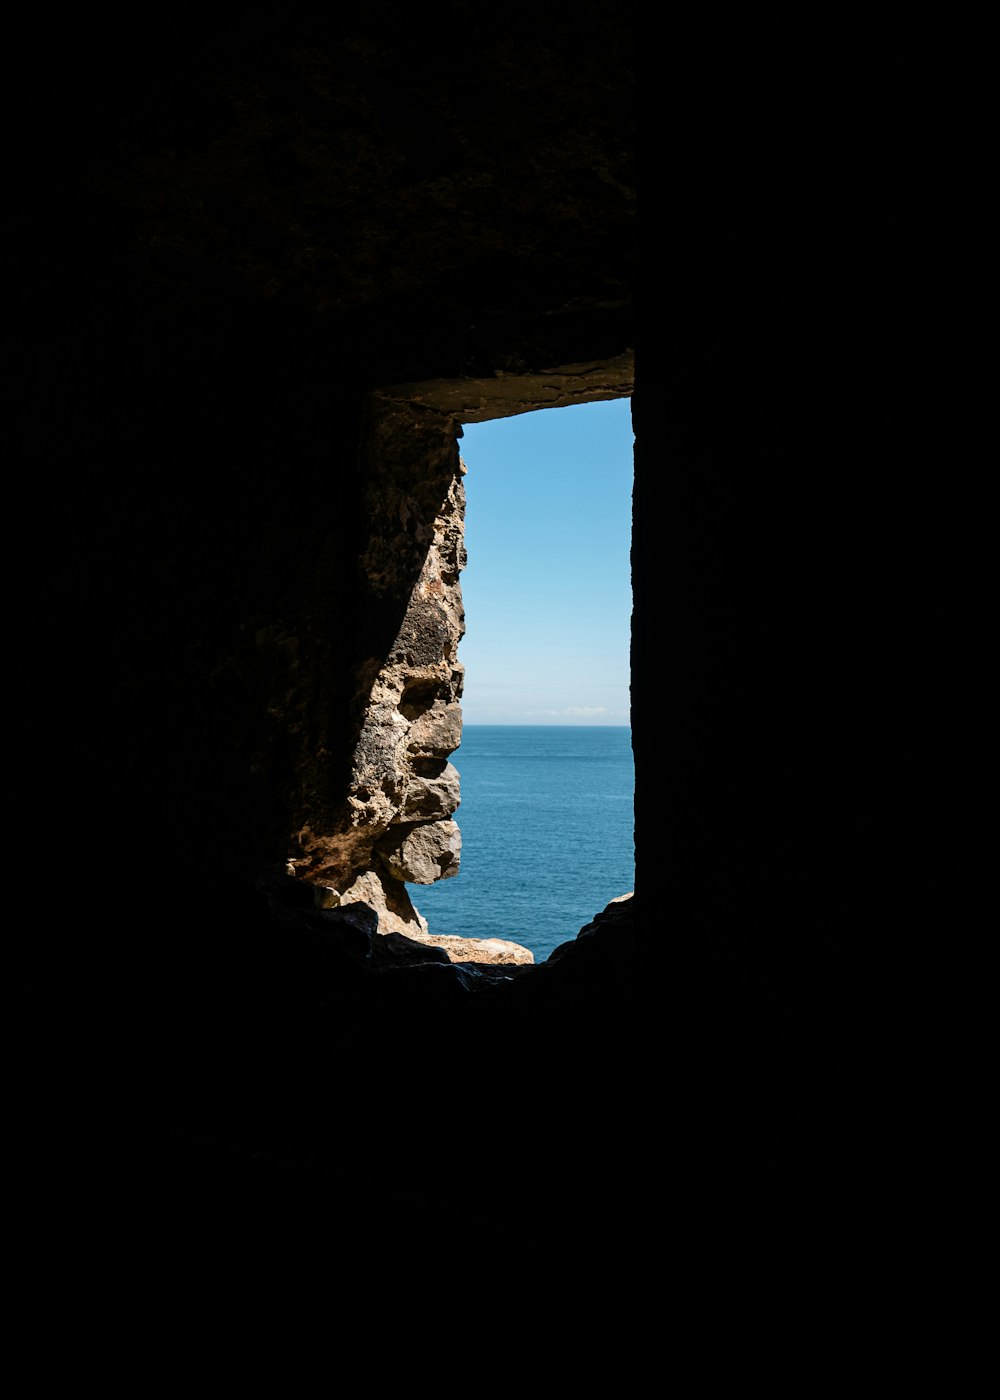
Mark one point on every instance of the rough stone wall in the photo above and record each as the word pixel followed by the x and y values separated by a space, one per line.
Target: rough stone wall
pixel 221 253
pixel 395 822
pixel 396 825
pixel 222 264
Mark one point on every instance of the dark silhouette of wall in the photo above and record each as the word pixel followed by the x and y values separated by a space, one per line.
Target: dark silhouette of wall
pixel 219 251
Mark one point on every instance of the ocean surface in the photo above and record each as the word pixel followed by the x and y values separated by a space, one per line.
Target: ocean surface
pixel 547 834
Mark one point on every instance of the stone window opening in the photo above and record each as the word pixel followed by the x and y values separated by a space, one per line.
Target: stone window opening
pixel 406 791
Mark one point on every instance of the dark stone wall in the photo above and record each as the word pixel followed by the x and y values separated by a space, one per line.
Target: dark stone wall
pixel 798 520
pixel 223 247
pixel 219 251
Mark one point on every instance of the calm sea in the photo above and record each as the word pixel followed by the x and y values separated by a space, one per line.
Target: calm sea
pixel 547 834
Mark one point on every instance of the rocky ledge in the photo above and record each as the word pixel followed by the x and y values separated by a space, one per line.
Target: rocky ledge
pixel 478 950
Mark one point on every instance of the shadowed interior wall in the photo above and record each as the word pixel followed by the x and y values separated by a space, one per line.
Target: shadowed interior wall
pixel 223 252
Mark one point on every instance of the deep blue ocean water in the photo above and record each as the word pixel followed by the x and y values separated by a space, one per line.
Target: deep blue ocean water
pixel 547 834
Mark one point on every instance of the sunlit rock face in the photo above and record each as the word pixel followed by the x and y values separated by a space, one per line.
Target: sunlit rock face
pixel 431 794
pixel 423 853
pixel 395 826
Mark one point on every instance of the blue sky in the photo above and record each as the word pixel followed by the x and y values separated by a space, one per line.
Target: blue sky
pixel 547 588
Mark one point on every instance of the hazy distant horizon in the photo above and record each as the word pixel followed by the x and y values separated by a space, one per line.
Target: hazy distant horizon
pixel 540 724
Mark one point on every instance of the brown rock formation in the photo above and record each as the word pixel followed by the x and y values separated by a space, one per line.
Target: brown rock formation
pixel 394 825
